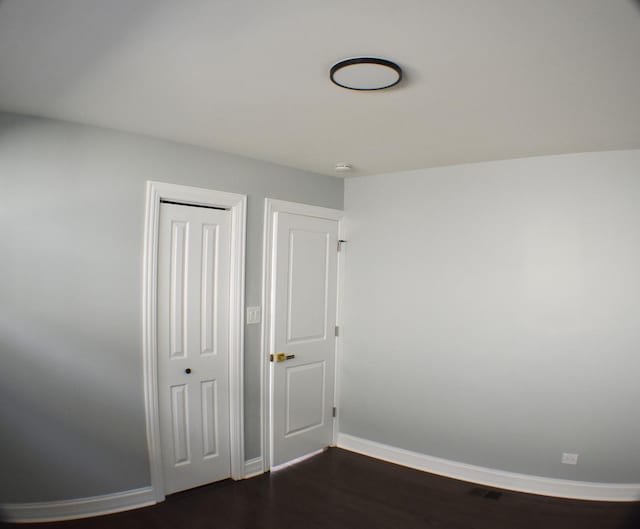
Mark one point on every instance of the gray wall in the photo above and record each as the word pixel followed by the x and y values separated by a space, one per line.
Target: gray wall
pixel 71 229
pixel 492 314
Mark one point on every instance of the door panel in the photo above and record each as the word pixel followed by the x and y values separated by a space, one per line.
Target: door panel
pixel 208 322
pixel 307 304
pixel 193 362
pixel 305 394
pixel 179 424
pixel 178 299
pixel 209 394
pixel 304 279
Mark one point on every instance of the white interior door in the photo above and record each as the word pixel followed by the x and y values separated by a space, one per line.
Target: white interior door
pixel 193 359
pixel 304 281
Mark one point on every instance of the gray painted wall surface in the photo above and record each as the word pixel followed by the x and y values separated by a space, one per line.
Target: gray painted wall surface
pixel 71 230
pixel 492 314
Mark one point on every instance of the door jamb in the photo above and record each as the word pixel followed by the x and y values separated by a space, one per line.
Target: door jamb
pixel 271 207
pixel 237 205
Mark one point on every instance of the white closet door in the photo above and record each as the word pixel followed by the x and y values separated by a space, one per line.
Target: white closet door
pixel 193 338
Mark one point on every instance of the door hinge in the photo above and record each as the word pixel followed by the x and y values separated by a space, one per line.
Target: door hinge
pixel 340 244
pixel 335 411
pixel 337 332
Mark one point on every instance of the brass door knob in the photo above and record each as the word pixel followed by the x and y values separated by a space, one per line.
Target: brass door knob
pixel 281 357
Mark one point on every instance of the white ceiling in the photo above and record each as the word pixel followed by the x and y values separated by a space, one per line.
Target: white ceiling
pixel 485 79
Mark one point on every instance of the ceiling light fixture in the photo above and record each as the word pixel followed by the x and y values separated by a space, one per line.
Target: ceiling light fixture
pixel 365 73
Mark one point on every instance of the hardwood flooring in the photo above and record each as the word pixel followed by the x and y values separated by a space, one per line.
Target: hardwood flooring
pixel 343 490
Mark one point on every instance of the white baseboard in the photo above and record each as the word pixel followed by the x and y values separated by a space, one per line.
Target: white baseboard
pixel 560 488
pixel 253 467
pixel 52 511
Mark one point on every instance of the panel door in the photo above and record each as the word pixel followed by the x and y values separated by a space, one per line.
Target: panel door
pixel 304 318
pixel 193 337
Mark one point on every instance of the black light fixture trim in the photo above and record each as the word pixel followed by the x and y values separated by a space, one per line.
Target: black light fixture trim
pixel 365 60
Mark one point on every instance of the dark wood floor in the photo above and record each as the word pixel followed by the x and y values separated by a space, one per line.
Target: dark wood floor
pixel 342 490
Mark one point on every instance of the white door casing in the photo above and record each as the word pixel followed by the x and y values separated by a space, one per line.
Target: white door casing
pixel 236 206
pixel 301 319
pixel 193 361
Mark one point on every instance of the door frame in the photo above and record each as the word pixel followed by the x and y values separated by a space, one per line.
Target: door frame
pixel 237 205
pixel 271 208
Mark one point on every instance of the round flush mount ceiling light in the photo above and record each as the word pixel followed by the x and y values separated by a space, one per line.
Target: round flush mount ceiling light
pixel 365 73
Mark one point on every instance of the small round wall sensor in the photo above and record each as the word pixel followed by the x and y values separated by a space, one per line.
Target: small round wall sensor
pixel 365 73
pixel 343 168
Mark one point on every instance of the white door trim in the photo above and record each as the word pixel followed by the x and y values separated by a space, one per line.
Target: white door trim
pixel 237 204
pixel 272 206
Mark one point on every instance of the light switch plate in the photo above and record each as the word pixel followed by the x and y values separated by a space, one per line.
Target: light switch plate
pixel 253 315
